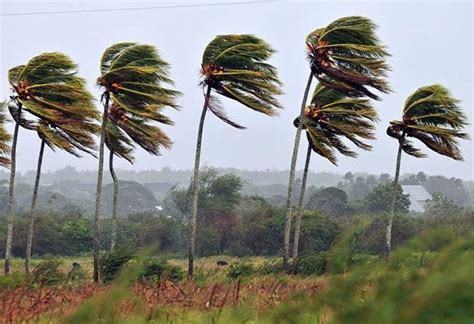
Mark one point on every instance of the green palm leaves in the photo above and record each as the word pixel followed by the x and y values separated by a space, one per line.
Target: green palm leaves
pixel 133 76
pixel 4 140
pixel 48 88
pixel 333 118
pixel 235 66
pixel 432 116
pixel 349 52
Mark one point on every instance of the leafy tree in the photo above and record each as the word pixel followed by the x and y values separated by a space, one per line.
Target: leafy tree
pixel 432 116
pixel 346 56
pixel 131 76
pixel 329 201
pixel 452 188
pixel 48 88
pixel 235 67
pixel 440 208
pixel 359 188
pixel 349 177
pixel 137 100
pixel 378 200
pixel 331 118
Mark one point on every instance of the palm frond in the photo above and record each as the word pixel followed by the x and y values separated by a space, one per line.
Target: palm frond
pixel 5 139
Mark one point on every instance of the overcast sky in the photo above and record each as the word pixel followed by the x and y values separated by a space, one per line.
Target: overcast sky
pixel 430 42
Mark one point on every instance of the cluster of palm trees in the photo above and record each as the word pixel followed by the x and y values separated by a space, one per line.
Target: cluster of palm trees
pixel 345 57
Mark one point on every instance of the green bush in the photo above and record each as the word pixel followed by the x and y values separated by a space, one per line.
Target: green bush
pixel 47 272
pixel 313 264
pixel 240 270
pixel 270 268
pixel 12 281
pixel 112 262
pixel 160 270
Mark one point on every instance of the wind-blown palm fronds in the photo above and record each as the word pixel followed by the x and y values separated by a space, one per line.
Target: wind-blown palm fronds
pixel 135 78
pixel 5 139
pixel 236 67
pixel 48 87
pixel 432 116
pixel 329 121
pixel 349 52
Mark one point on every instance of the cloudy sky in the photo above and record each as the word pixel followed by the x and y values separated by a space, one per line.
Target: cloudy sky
pixel 430 42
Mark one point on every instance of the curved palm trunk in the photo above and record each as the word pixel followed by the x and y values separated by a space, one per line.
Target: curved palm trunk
pixel 388 229
pixel 299 215
pixel 98 196
pixel 29 241
pixel 11 194
pixel 291 182
pixel 115 200
pixel 195 188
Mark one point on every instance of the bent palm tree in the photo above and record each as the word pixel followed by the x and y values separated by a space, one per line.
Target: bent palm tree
pixel 48 88
pixel 328 121
pixel 131 75
pixel 346 56
pixel 432 116
pixel 5 139
pixel 235 67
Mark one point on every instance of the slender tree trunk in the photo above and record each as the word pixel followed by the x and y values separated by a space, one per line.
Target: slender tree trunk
pixel 113 239
pixel 195 188
pixel 291 182
pixel 299 215
pixel 388 230
pixel 29 241
pixel 11 194
pixel 98 196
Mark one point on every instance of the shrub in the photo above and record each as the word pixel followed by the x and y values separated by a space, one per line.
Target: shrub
pixel 14 280
pixel 160 270
pixel 47 272
pixel 240 270
pixel 112 262
pixel 270 268
pixel 313 264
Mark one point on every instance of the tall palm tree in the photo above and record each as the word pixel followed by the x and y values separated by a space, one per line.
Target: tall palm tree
pixel 235 67
pixel 346 56
pixel 46 87
pixel 432 116
pixel 330 119
pixel 123 130
pixel 5 139
pixel 132 76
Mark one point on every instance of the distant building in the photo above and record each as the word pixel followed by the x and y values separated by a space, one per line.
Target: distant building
pixel 418 197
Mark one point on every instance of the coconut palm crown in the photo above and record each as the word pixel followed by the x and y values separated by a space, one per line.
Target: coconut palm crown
pixel 332 118
pixel 349 52
pixel 48 88
pixel 4 140
pixel 432 116
pixel 235 67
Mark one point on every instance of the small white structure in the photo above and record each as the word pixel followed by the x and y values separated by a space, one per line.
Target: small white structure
pixel 418 197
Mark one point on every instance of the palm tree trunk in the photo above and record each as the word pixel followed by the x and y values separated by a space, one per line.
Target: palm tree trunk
pixel 195 188
pixel 29 241
pixel 299 215
pixel 11 194
pixel 98 196
pixel 388 230
pixel 115 200
pixel 291 182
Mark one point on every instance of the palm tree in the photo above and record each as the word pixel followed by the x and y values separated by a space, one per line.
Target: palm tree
pixel 432 116
pixel 5 139
pixel 235 67
pixel 47 87
pixel 328 120
pixel 131 75
pixel 346 56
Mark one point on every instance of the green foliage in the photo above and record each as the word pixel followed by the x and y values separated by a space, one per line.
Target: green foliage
pixel 47 272
pixel 433 116
pixel 440 207
pixel 240 270
pixel 111 263
pixel 4 139
pixel 235 67
pixel 378 199
pixel 159 270
pixel 330 201
pixel 332 118
pixel 313 264
pixel 12 281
